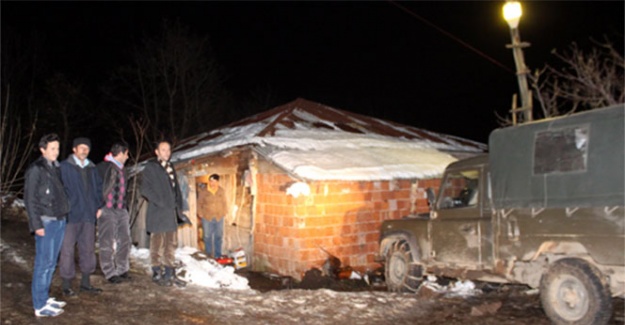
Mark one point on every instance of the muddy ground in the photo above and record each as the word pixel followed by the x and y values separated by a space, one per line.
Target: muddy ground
pixel 323 301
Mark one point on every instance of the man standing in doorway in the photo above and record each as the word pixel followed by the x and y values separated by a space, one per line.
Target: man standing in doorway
pixel 84 188
pixel 161 189
pixel 114 223
pixel 213 208
pixel 47 207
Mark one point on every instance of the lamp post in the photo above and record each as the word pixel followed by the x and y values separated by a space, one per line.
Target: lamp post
pixel 512 14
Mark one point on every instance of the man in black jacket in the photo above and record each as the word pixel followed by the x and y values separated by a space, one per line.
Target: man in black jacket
pixel 113 224
pixel 162 191
pixel 47 207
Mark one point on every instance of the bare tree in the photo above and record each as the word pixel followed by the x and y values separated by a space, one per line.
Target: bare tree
pixel 586 80
pixel 20 84
pixel 15 144
pixel 66 107
pixel 174 83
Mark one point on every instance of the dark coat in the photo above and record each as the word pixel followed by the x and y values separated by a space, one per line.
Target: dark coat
pixel 44 194
pixel 164 201
pixel 84 201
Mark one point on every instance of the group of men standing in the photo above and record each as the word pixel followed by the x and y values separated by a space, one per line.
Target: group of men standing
pixel 64 201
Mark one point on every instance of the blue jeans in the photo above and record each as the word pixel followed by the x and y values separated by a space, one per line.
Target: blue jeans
pixel 46 254
pixel 213 231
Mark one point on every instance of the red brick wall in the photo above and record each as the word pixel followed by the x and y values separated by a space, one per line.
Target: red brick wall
pixel 339 216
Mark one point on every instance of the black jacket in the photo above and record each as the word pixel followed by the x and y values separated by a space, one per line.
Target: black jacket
pixel 44 194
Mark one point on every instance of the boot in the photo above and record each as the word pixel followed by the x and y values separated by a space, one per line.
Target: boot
pixel 166 279
pixel 67 288
pixel 174 279
pixel 157 274
pixel 85 285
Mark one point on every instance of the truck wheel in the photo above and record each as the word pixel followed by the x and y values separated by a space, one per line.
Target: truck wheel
pixel 573 292
pixel 402 273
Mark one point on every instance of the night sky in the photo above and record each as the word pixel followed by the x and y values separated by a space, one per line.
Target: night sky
pixel 367 57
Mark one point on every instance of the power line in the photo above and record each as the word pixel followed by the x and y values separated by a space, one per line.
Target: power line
pixel 450 35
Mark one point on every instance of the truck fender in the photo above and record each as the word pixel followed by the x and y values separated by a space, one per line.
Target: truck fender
pixel 554 248
pixel 531 268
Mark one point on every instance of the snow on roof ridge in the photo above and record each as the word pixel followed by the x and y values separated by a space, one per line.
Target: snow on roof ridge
pixel 280 126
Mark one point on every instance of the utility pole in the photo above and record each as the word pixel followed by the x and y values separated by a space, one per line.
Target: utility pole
pixel 512 13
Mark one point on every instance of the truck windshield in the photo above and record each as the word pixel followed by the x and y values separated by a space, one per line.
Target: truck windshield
pixel 460 189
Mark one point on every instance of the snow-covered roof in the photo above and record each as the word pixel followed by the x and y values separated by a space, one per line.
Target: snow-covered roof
pixel 317 142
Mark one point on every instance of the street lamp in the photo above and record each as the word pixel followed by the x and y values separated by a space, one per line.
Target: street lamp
pixel 512 12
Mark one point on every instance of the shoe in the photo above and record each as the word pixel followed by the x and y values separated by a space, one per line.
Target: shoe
pixel 68 292
pixel 55 303
pixel 48 311
pixel 125 276
pixel 114 279
pixel 90 289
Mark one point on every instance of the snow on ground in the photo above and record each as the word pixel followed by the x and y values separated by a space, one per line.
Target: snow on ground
pixel 12 255
pixel 195 268
pixel 459 288
pixel 319 306
pixel 230 292
pixel 17 203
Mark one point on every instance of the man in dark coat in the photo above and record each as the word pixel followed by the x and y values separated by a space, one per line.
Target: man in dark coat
pixel 162 191
pixel 84 188
pixel 47 207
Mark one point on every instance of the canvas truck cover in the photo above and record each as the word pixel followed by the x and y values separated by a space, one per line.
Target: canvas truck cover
pixel 572 161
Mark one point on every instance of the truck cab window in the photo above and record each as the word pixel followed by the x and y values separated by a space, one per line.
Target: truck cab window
pixel 460 189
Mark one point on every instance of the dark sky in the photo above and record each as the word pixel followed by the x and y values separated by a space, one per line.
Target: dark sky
pixel 367 57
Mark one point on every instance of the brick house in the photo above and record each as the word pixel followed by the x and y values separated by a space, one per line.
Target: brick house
pixel 304 179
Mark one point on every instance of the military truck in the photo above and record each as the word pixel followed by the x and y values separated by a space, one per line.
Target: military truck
pixel 544 208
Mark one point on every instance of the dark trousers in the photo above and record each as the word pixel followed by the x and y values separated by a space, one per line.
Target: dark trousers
pixel 114 240
pixel 80 234
pixel 163 248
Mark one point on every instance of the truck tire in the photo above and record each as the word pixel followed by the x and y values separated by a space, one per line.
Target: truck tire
pixel 402 273
pixel 572 292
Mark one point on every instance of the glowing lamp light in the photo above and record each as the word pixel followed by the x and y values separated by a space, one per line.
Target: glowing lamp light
pixel 512 13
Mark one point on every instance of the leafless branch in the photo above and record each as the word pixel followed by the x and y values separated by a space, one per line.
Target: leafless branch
pixel 587 80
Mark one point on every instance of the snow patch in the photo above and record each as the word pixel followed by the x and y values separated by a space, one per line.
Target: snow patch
pixel 459 288
pixel 11 254
pixel 196 269
pixel 17 203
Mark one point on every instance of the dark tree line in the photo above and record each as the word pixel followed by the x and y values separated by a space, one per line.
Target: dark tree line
pixel 171 87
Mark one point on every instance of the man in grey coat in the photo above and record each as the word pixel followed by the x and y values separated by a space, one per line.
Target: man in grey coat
pixel 162 191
